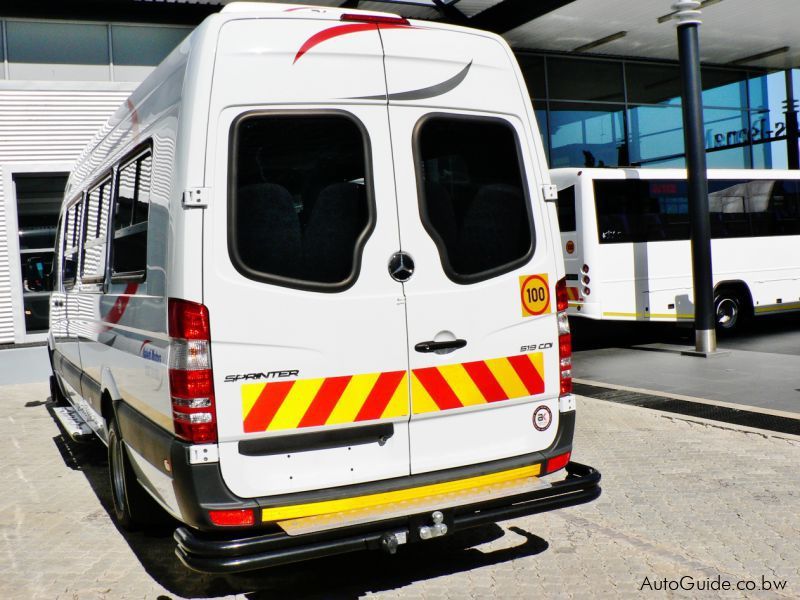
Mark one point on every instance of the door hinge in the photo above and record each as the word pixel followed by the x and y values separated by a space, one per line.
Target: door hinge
pixel 196 197
pixel 550 192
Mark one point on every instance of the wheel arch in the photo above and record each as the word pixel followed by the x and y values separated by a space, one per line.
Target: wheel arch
pixel 736 285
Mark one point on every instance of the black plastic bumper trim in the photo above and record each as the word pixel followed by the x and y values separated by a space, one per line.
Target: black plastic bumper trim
pixel 318 440
pixel 200 487
pixel 216 554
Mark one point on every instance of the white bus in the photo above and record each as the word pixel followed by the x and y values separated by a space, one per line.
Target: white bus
pixel 625 237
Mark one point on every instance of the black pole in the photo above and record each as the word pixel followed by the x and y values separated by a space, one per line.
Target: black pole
pixel 792 151
pixel 689 53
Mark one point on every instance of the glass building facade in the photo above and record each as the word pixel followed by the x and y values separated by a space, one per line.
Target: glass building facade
pixel 611 112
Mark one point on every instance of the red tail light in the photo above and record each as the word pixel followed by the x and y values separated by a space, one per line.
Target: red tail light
pixel 377 19
pixel 191 381
pixel 562 298
pixel 232 518
pixel 188 320
pixel 557 462
pixel 564 338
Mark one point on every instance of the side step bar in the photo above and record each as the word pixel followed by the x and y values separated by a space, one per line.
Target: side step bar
pixel 72 423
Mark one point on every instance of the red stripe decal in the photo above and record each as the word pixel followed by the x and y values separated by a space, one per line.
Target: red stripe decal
pixel 325 401
pixel 332 32
pixel 487 383
pixel 120 304
pixel 338 30
pixel 267 404
pixel 379 397
pixel 527 373
pixel 436 385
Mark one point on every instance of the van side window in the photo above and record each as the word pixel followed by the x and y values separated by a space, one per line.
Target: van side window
pixel 473 201
pixel 93 265
pixel 566 209
pixel 131 210
pixel 301 208
pixel 72 237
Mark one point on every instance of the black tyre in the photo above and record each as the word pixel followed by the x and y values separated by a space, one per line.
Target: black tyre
pixel 56 395
pixel 133 507
pixel 730 310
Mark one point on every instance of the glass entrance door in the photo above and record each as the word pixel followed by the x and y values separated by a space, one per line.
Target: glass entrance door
pixel 39 197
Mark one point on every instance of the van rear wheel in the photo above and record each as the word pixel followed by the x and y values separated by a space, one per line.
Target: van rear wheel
pixel 133 506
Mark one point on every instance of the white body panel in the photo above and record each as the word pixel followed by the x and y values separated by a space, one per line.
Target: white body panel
pixel 355 331
pixel 653 280
pixel 438 307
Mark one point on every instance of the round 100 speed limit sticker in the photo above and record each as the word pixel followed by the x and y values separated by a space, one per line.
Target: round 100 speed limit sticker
pixel 534 293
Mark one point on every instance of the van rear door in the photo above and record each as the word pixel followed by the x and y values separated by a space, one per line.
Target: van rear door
pixel 482 335
pixel 308 336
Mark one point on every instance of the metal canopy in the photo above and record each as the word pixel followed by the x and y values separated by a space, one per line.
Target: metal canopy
pixel 736 32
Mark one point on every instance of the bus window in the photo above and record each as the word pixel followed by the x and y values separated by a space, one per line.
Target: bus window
pixel 566 209
pixel 641 211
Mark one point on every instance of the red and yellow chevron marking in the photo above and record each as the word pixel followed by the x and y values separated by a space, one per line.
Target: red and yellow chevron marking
pixel 352 398
pixel 572 293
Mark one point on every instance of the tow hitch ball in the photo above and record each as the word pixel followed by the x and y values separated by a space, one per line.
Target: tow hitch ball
pixel 436 530
pixel 390 541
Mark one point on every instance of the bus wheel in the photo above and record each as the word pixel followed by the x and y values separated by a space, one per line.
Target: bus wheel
pixel 728 310
pixel 133 507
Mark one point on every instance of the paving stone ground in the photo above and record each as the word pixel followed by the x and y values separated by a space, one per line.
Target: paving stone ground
pixel 680 499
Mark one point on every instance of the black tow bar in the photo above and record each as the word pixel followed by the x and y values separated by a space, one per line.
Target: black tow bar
pixel 208 553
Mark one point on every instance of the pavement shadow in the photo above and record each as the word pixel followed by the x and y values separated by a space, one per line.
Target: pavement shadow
pixel 588 334
pixel 344 576
pixel 355 575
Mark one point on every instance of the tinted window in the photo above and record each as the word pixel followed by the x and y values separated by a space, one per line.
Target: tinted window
pixel 72 235
pixel 472 196
pixel 98 201
pixel 657 210
pixel 580 79
pixel 300 209
pixel 566 209
pixel 142 45
pixel 130 217
pixel 57 43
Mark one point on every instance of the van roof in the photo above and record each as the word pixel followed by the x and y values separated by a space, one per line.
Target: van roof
pixel 267 9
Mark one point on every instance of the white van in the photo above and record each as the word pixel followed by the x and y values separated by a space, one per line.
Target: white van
pixel 309 293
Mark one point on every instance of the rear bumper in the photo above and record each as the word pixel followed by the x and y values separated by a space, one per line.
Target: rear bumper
pixel 216 553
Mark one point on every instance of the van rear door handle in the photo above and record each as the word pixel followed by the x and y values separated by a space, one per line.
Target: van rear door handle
pixel 432 346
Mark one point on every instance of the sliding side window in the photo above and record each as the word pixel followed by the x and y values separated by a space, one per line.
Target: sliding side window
pixel 129 249
pixel 72 237
pixel 93 265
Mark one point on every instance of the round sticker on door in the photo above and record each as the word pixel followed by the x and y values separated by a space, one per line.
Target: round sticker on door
pixel 542 417
pixel 535 295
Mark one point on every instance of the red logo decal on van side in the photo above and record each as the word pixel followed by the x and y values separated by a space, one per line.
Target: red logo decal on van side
pixel 339 30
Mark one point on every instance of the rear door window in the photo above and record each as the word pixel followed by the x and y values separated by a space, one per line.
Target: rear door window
pixel 300 189
pixel 473 200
